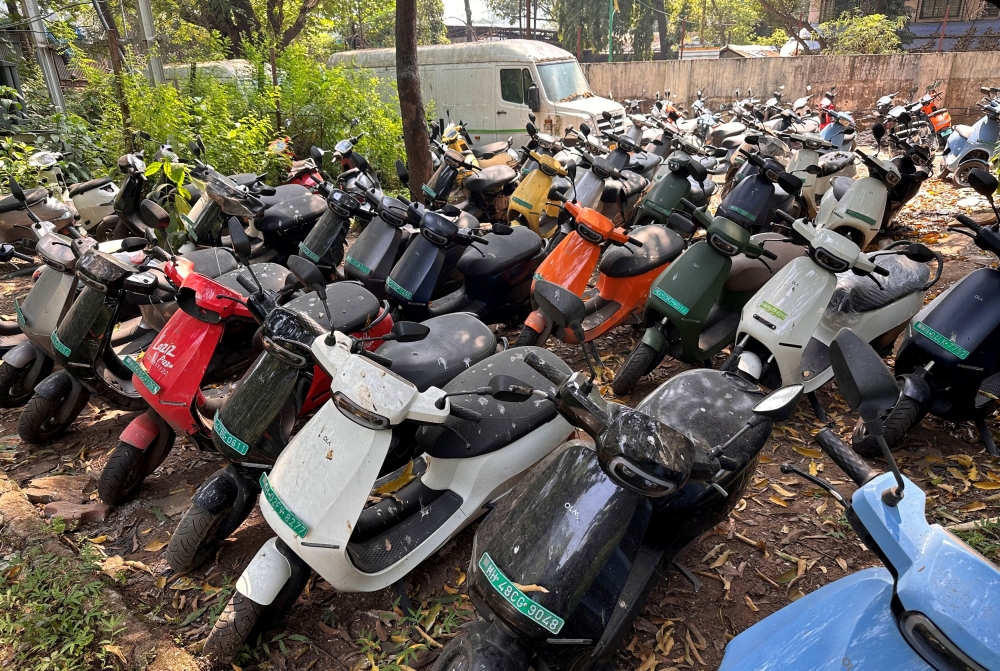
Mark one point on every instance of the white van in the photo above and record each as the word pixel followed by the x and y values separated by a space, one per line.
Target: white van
pixel 491 86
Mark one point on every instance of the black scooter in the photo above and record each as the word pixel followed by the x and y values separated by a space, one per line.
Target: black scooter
pixel 948 363
pixel 614 515
pixel 753 202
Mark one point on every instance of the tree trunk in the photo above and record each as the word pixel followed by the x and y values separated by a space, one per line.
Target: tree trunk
pixel 20 34
pixel 661 27
pixel 411 106
pixel 470 34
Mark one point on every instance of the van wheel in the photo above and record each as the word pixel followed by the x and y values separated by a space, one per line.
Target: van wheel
pixel 15 389
pixel 960 177
pixel 643 358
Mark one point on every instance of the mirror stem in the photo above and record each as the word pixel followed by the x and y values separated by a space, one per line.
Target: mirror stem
pixel 893 495
pixel 718 451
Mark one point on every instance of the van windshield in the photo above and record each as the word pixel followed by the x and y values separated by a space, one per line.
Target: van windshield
pixel 564 81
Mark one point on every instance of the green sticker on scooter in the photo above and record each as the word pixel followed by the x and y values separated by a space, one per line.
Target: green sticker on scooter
pixel 656 208
pixel 58 344
pixel 20 315
pixel 537 276
pixel 770 309
pixel 231 441
pixel 141 373
pixel 429 191
pixel 398 289
pixel 308 253
pixel 536 612
pixel 671 301
pixel 939 340
pixel 357 264
pixel 739 210
pixel 522 203
pixel 284 514
pixel 863 217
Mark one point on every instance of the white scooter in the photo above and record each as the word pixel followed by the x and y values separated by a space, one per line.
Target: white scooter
pixel 817 170
pixel 786 328
pixel 93 200
pixel 362 533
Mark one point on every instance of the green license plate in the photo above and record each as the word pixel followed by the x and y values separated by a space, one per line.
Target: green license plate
pixel 671 301
pixel 537 276
pixel 58 344
pixel 528 607
pixel 308 253
pixel 771 309
pixel 739 210
pixel 286 515
pixel 863 217
pixel 141 373
pixel 229 439
pixel 20 315
pixel 429 191
pixel 398 289
pixel 939 340
pixel 357 264
pixel 522 203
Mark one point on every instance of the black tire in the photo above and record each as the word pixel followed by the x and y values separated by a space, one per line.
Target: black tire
pixel 196 537
pixel 473 649
pixel 41 422
pixel 14 392
pixel 902 418
pixel 128 467
pixel 960 178
pixel 528 337
pixel 637 365
pixel 232 630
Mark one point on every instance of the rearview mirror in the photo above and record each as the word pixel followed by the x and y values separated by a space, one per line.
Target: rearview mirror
pixel 153 215
pixel 752 139
pixel 402 172
pixel 681 223
pixel 878 130
pixel 534 98
pixel 607 115
pixel 194 148
pixel 532 130
pixel 133 244
pixel 308 274
pixel 407 332
pixel 984 183
pixel 721 152
pixel 779 404
pixel 241 243
pixel 15 190
pixel 984 89
pixel 813 169
pixel 918 252
pixel 509 389
pixel 317 155
pixel 864 381
pixel 585 129
pixel 556 193
pixel 561 306
pixel 789 183
pixel 144 136
pixel 502 229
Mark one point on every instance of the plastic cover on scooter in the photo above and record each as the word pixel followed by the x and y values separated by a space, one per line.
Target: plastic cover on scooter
pixel 863 294
pixel 270 275
pixel 834 162
pixel 659 245
pixel 502 252
pixel 840 185
pixel 502 422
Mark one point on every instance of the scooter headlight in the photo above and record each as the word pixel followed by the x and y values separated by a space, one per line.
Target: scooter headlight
pixel 723 245
pixel 892 178
pixel 834 264
pixel 932 645
pixel 359 415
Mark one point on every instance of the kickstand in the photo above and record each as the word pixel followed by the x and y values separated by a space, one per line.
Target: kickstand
pixel 986 436
pixel 404 599
pixel 686 572
pixel 817 408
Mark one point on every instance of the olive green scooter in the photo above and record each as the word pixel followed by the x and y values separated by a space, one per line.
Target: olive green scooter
pixel 682 175
pixel 694 306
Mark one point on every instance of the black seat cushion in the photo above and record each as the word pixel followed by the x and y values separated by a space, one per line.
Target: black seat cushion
pixel 456 341
pixel 834 162
pixel 700 191
pixel 283 193
pixel 212 262
pixel 299 211
pixel 644 162
pixel 33 196
pixel 493 148
pixel 840 185
pixel 77 189
pixel 861 294
pixel 502 252
pixel 724 130
pixel 632 183
pixel 659 246
pixel 490 178
pixel 352 307
pixel 503 422
pixel 244 178
pixel 271 276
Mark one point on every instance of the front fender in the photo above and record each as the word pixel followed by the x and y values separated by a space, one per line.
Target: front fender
pixel 654 338
pixel 217 491
pixel 57 386
pixel 22 355
pixel 267 573
pixel 917 388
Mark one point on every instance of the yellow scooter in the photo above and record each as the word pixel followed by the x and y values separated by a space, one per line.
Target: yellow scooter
pixel 454 136
pixel 530 204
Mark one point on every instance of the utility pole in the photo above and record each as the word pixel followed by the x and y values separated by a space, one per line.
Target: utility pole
pixel 527 19
pixel 680 47
pixel 148 42
pixel 43 52
pixel 579 42
pixel 944 26
pixel 612 6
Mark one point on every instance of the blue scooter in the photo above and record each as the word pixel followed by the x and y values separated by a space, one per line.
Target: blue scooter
pixel 935 605
pixel 970 147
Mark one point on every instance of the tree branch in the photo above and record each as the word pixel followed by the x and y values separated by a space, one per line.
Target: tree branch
pixel 300 22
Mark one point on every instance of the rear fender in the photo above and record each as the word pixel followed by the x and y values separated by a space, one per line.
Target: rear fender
pixel 269 571
pixel 142 431
pixel 22 355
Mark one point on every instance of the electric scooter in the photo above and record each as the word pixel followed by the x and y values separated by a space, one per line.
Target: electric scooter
pixel 683 176
pixel 92 200
pixel 970 147
pixel 335 515
pixel 947 364
pixel 932 606
pixel 754 200
pixel 209 339
pixel 614 515
pixel 694 306
pixel 786 328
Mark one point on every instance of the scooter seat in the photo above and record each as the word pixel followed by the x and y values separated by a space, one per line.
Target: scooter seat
pixel 456 342
pixel 644 162
pixel 283 193
pixel 633 185
pixel 33 196
pixel 299 211
pixel 502 422
pixel 270 275
pixel 860 294
pixel 840 185
pixel 963 130
pixel 748 274
pixel 490 178
pixel 699 195
pixel 660 245
pixel 244 178
pixel 352 307
pixel 77 189
pixel 709 162
pixel 732 142
pixel 724 130
pixel 834 162
pixel 211 262
pixel 502 252
pixel 491 149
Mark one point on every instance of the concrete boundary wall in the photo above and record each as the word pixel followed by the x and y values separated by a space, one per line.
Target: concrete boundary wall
pixel 860 80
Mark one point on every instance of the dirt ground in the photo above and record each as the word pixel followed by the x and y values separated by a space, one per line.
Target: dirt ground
pixel 785 538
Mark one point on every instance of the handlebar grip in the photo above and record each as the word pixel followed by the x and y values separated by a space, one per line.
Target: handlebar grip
pixel 481 241
pixel 879 270
pixel 550 372
pixel 246 283
pixel 784 216
pixel 465 414
pixel 966 220
pixel 637 243
pixel 689 205
pixel 769 255
pixel 158 253
pixel 848 461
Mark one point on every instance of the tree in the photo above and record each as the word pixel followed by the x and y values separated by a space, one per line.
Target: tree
pixel 470 34
pixel 239 22
pixel 411 105
pixel 860 34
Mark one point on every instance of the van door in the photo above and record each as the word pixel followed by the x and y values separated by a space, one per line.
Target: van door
pixel 512 82
pixel 466 94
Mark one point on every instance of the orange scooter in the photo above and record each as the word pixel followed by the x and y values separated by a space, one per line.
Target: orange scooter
pixel 627 270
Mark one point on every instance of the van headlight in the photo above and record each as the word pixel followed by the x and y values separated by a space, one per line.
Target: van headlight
pixel 932 645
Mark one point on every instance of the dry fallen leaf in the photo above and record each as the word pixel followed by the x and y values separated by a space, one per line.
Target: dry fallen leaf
pixel 98 539
pixel 161 582
pixel 955 473
pixel 782 491
pixel 986 485
pixel 116 651
pixel 972 507
pixel 808 452
pixel 842 564
pixel 795 595
pixel 750 603
pixel 813 470
pixel 461 577
pixel 714 552
pixel 531 588
pixel 722 559
pixel 449 589
pixel 778 502
pixel 963 459
pixel 155 546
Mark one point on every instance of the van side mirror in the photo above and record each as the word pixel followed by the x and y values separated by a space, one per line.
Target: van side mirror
pixel 402 172
pixel 534 98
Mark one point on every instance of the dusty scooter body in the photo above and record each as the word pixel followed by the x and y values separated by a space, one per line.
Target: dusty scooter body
pixel 93 200
pixel 682 176
pixel 970 147
pixel 766 188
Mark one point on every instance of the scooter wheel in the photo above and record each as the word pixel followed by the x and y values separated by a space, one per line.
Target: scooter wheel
pixel 473 648
pixel 14 388
pixel 232 630
pixel 195 538
pixel 960 178
pixel 527 337
pixel 906 414
pixel 128 467
pixel 637 365
pixel 44 419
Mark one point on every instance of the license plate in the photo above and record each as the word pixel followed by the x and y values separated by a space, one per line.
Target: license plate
pixel 308 253
pixel 229 439
pixel 671 301
pixel 946 132
pixel 20 315
pixel 284 514
pixel 941 341
pixel 58 344
pixel 141 373
pixel 528 607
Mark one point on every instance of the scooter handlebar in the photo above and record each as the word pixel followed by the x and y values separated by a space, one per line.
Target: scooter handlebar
pixel 550 372
pixel 966 220
pixel 879 270
pixel 785 217
pixel 246 283
pixel 465 414
pixel 769 255
pixel 848 461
